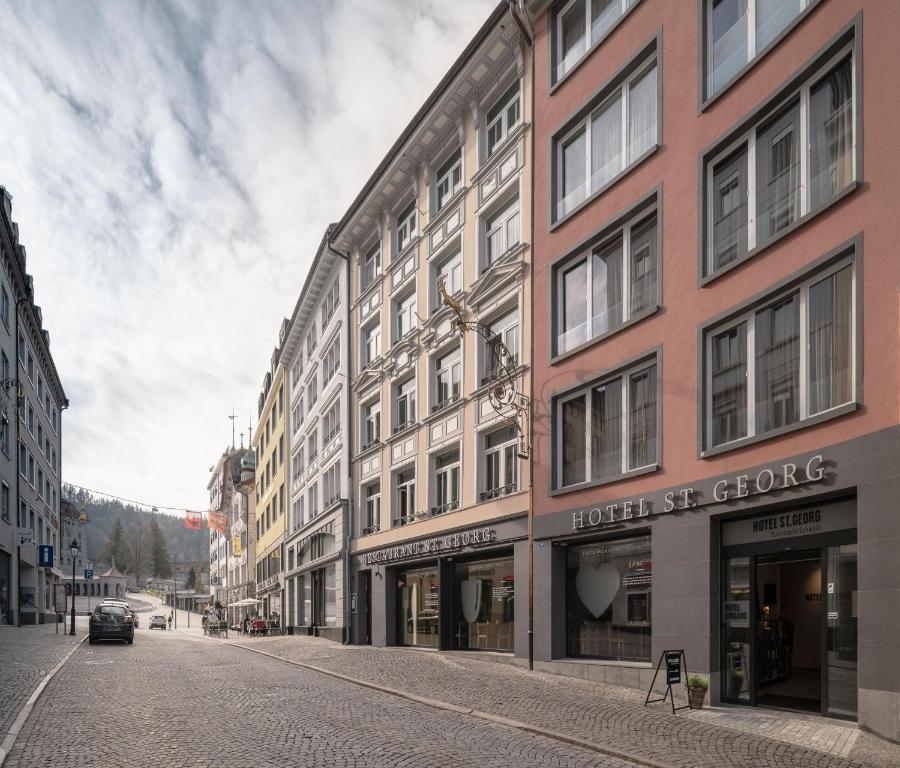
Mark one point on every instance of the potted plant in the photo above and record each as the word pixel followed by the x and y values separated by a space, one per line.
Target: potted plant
pixel 697 686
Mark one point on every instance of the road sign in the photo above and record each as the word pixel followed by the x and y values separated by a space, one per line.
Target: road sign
pixel 88 574
pixel 45 556
pixel 24 537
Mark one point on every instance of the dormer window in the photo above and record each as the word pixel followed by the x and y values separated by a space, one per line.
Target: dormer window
pixel 449 179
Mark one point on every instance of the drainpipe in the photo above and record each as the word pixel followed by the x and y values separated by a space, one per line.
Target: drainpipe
pixel 345 505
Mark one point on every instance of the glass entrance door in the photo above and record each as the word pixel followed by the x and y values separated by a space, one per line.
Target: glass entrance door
pixel 841 633
pixel 737 631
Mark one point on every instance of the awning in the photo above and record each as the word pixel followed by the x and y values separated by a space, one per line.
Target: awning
pixel 247 601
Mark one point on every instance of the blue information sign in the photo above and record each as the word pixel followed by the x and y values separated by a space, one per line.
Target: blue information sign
pixel 45 556
pixel 88 574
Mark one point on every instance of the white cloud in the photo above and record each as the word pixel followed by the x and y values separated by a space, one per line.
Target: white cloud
pixel 173 167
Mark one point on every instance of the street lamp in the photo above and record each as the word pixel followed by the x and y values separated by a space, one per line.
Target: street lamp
pixel 75 550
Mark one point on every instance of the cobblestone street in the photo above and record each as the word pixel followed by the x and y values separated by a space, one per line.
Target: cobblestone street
pixel 176 699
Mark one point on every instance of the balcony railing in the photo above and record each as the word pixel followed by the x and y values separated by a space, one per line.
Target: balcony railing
pixel 371 444
pixel 371 529
pixel 404 425
pixel 444 404
pixel 495 493
pixel 443 509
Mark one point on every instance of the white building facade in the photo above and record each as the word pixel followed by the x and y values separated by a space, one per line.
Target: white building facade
pixel 315 354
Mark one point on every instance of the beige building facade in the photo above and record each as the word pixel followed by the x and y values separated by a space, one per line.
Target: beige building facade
pixel 439 479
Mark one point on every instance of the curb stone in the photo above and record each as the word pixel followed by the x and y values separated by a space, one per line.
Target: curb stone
pixel 10 738
pixel 446 706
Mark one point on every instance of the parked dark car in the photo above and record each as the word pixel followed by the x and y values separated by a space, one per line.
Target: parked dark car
pixel 111 622
pixel 157 622
pixel 115 601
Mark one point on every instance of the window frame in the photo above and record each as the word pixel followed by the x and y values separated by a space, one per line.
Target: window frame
pixel 844 256
pixel 409 485
pixel 501 107
pixel 410 396
pixel 405 227
pixel 617 87
pixel 743 138
pixel 404 304
pixel 331 361
pixel 498 221
pixel 444 174
pixel 452 264
pixel 506 321
pixel 368 276
pixel 623 374
pixel 371 335
pixel 370 416
pixel 371 507
pixel 437 372
pixel 488 494
pixel 446 473
pixel 622 228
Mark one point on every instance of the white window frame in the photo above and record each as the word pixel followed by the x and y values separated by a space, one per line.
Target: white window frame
pixel 560 65
pixel 313 496
pixel 446 473
pixel 312 444
pixel 371 507
pixel 371 423
pixel 330 303
pixel 624 377
pixel 410 487
pixel 331 363
pixel 371 344
pixel 752 52
pixel 370 267
pixel 451 268
pixel 405 226
pixel 453 368
pixel 500 451
pixel 331 485
pixel 747 142
pixel 404 306
pixel 749 317
pixel 499 223
pixel 401 392
pixel 331 423
pixel 503 326
pixel 312 392
pixel 446 186
pixel 621 92
pixel 512 96
pixel 623 232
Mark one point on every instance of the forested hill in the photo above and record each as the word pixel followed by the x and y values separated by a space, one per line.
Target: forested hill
pixel 183 543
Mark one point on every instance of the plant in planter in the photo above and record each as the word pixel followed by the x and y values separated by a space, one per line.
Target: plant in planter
pixel 697 686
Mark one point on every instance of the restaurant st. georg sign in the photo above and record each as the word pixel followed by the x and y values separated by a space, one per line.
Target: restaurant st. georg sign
pixel 785 475
pixel 439 545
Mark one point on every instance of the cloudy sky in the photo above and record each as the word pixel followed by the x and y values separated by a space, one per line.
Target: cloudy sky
pixel 173 166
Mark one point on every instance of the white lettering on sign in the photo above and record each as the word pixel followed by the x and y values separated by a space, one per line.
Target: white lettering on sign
pixel 448 543
pixel 766 480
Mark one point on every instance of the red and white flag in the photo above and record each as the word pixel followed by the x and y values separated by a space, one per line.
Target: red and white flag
pixel 193 520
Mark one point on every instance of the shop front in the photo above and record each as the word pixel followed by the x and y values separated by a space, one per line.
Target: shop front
pixel 774 581
pixel 315 573
pixel 456 591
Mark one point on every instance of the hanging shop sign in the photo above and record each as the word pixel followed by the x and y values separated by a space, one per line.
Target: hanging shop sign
pixel 437 546
pixel 786 475
pixel 802 521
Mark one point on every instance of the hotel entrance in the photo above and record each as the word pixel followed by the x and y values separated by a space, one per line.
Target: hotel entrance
pixel 789 619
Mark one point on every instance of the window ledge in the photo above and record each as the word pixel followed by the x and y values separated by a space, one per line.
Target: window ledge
pixel 611 183
pixel 819 418
pixel 649 469
pixel 500 153
pixel 399 434
pixel 652 310
pixel 368 290
pixel 437 218
pixel 801 222
pixel 400 256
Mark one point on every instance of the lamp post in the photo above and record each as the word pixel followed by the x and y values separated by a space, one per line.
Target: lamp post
pixel 74 549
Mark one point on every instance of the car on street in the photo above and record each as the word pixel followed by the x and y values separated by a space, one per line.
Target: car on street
pixel 157 622
pixel 111 622
pixel 115 601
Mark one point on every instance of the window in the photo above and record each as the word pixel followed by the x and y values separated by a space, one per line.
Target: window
pixel 449 179
pixel 4 367
pixel 501 233
pixel 503 117
pixel 4 310
pixel 405 404
pixel 371 338
pixel 30 366
pixel 784 362
pixel 502 346
pixel 404 315
pixel 297 370
pixel 405 492
pixel 612 137
pixel 311 340
pixel 31 470
pixel 281 449
pixel 500 463
pixel 40 483
pixel 4 497
pixel 332 361
pixel 21 347
pixel 737 31
pixel 297 462
pixel 448 375
pixel 371 267
pixel 581 25
pixel 331 484
pixel 312 445
pixel 446 482
pixel 371 414
pixel 30 411
pixel 612 622
pixel 331 423
pixel 406 227
pixel 40 389
pixel 312 392
pixel 4 434
pixel 330 303
pixel 598 292
pixel 450 271
pixel 372 497
pixel 297 416
pixel 607 429
pixel 313 496
pixel 790 165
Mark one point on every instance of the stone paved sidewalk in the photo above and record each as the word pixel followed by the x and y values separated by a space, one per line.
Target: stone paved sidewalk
pixel 606 715
pixel 26 655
